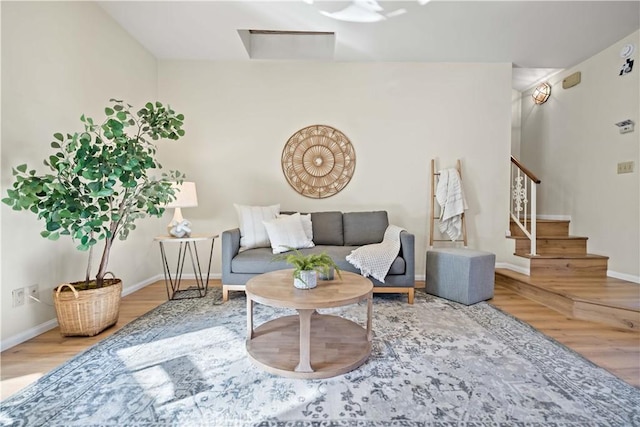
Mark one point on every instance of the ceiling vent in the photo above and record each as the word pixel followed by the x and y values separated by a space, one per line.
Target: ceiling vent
pixel 288 45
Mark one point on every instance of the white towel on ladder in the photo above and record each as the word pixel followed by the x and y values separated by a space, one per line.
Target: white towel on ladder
pixel 450 197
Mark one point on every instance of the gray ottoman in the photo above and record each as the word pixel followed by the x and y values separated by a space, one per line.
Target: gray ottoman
pixel 461 275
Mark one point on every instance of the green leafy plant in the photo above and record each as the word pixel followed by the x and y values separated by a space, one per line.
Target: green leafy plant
pixel 99 183
pixel 321 262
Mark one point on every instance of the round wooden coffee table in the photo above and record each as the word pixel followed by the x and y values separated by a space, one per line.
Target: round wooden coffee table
pixel 309 344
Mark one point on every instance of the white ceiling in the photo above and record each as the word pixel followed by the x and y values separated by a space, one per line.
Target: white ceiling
pixel 538 37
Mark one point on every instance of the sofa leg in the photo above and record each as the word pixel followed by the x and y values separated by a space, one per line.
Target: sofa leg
pixel 395 290
pixel 410 295
pixel 227 288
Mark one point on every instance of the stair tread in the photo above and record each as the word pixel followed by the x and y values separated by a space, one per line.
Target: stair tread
pixel 550 238
pixel 550 221
pixel 564 256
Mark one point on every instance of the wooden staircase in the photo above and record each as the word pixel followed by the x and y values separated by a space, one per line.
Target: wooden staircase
pixel 564 277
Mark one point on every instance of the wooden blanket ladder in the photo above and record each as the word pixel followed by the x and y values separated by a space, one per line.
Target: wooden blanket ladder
pixel 434 215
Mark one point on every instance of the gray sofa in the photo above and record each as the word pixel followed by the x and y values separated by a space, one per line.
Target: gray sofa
pixel 335 233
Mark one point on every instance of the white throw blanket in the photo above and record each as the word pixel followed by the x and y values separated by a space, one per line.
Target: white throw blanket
pixel 375 260
pixel 452 202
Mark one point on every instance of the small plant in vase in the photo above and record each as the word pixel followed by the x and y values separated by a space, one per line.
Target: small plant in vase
pixel 306 267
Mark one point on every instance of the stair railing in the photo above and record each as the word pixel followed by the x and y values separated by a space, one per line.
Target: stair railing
pixel 523 200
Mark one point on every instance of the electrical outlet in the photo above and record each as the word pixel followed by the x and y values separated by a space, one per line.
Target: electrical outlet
pixel 33 294
pixel 18 297
pixel 625 167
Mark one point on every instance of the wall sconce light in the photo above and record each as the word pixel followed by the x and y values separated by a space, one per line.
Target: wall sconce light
pixel 541 93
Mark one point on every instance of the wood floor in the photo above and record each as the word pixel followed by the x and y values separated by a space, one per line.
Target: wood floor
pixel 616 350
pixel 598 299
pixel 26 362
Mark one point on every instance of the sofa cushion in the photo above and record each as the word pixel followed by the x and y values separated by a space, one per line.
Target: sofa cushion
pixel 306 222
pixel 286 232
pixel 364 228
pixel 327 228
pixel 253 234
pixel 260 260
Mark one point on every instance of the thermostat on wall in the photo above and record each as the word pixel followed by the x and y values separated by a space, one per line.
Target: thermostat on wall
pixel 572 80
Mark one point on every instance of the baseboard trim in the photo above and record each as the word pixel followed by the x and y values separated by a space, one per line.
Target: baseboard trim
pixel 623 276
pixel 28 334
pixel 554 217
pixel 191 276
pixel 50 324
pixel 136 287
pixel 513 267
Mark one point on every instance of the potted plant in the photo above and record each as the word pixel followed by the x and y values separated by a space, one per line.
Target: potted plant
pixel 306 267
pixel 99 185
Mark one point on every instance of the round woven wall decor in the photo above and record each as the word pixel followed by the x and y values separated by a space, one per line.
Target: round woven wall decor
pixel 318 161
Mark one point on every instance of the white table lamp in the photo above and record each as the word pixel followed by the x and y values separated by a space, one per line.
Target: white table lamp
pixel 186 197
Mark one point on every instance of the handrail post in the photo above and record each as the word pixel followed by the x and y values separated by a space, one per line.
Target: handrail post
pixel 523 201
pixel 533 220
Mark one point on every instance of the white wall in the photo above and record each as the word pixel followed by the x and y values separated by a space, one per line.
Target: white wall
pixel 59 60
pixel 516 121
pixel 398 117
pixel 573 146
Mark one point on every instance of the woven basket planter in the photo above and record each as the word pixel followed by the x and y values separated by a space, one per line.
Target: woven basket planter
pixel 87 312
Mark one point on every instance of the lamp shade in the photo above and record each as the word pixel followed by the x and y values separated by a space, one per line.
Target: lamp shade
pixel 186 196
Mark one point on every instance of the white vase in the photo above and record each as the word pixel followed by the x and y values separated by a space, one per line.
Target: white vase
pixel 308 280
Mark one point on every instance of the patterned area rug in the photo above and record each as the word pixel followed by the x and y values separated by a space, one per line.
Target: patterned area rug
pixel 433 363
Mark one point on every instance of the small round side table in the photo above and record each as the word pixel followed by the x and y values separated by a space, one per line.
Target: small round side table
pixel 186 245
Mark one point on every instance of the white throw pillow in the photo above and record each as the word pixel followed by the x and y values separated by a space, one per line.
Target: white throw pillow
pixel 252 231
pixel 307 226
pixel 286 232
